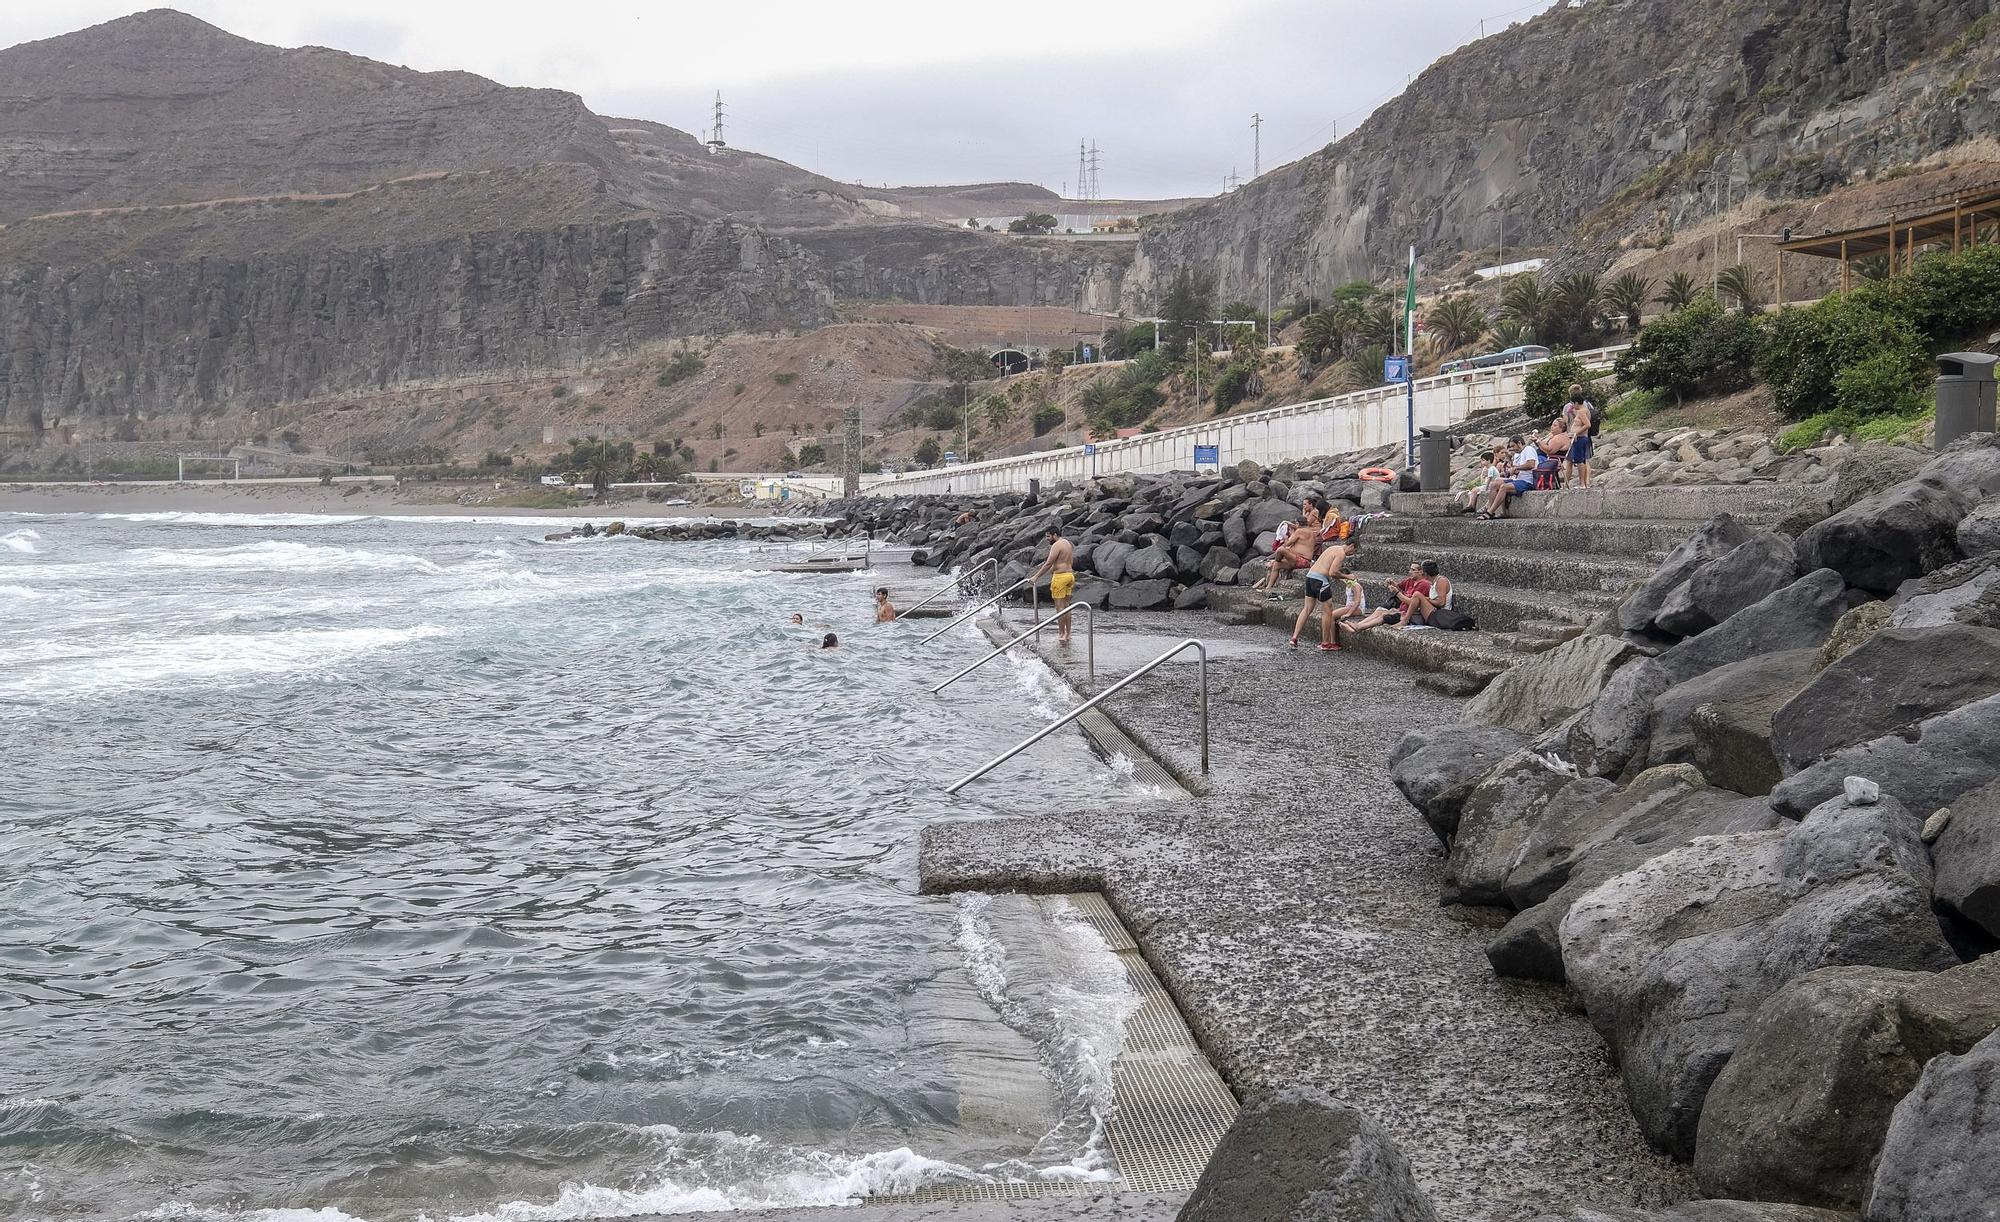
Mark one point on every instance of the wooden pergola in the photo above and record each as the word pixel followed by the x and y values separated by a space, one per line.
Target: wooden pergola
pixel 1953 220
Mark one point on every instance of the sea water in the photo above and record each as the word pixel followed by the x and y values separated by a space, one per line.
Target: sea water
pixel 397 869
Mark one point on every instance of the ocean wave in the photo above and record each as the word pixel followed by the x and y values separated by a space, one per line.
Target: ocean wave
pixel 280 556
pixel 193 518
pixel 63 668
pixel 22 541
pixel 22 592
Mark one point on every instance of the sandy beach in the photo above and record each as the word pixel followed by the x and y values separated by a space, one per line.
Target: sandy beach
pixel 383 499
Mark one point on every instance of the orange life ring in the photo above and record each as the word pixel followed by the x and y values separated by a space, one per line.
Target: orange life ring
pixel 1378 475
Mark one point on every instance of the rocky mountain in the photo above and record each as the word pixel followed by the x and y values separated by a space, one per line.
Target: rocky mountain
pixel 1600 120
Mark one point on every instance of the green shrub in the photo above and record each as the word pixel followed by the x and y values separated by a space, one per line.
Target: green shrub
pixel 1893 428
pixel 1883 383
pixel 686 364
pixel 1630 411
pixel 784 379
pixel 1945 297
pixel 1698 350
pixel 1047 418
pixel 1805 349
pixel 811 454
pixel 1809 432
pixel 1547 387
pixel 1232 386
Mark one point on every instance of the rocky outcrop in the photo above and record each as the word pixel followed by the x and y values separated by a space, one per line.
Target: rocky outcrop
pixel 1908 529
pixel 1967 856
pixel 934 265
pixel 1672 959
pixel 1548 689
pixel 1438 769
pixel 1938 1163
pixel 1299 1155
pixel 1721 722
pixel 1898 677
pixel 1485 140
pixel 1924 767
pixel 1800 1112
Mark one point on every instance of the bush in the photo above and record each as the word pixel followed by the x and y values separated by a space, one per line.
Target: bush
pixel 686 364
pixel 1805 349
pixel 1695 351
pixel 929 452
pixel 812 454
pixel 1883 383
pixel 1232 387
pixel 1547 387
pixel 1945 297
pixel 784 379
pixel 1047 418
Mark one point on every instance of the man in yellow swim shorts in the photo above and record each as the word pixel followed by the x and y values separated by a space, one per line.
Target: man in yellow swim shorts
pixel 1062 577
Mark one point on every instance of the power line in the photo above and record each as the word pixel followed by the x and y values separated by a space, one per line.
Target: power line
pixel 1096 189
pixel 1257 145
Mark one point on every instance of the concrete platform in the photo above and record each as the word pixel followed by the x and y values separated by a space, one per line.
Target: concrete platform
pixel 1682 502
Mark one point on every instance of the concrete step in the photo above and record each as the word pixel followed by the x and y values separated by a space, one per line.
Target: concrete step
pixel 1628 538
pixel 1693 503
pixel 1555 571
pixel 1456 663
pixel 1501 608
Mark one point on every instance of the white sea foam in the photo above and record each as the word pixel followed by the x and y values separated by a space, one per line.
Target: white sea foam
pixel 70 668
pixel 190 518
pixel 24 541
pixel 179 1211
pixel 280 556
pixel 21 592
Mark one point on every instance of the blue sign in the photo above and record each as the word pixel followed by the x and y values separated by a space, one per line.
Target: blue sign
pixel 1395 369
pixel 1088 449
pixel 1207 456
pixel 1089 353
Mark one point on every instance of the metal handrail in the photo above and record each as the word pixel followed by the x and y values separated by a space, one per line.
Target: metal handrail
pixel 1090 639
pixel 1092 703
pixel 846 546
pixel 976 610
pixel 956 582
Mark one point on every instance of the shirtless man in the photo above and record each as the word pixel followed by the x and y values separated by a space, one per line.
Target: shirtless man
pixel 884 613
pixel 1294 551
pixel 1062 578
pixel 1323 581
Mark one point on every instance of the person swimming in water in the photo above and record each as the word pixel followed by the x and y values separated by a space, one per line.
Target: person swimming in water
pixel 884 612
pixel 829 641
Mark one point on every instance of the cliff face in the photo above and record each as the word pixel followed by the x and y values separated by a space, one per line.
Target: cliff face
pixel 181 337
pixel 1550 122
pixel 932 265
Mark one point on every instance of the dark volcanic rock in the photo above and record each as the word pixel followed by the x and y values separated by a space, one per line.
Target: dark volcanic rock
pixel 1938 1163
pixel 1501 816
pixel 1672 959
pixel 1143 595
pixel 1967 856
pixel 1924 769
pixel 1911 529
pixel 1543 690
pixel 1149 562
pixel 1299 1155
pixel 1722 587
pixel 1716 538
pixel 1965 593
pixel 1746 694
pixel 1437 769
pixel 1898 677
pixel 1800 1111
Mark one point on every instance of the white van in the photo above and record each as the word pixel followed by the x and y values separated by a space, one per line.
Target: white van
pixel 554 481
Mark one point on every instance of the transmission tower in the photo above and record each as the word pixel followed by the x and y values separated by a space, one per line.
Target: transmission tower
pixel 715 144
pixel 1257 139
pixel 1082 182
pixel 1096 191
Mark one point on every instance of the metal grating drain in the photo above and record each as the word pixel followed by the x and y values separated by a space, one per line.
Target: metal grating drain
pixel 1169 1106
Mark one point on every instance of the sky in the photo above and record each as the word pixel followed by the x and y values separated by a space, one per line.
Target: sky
pixel 912 92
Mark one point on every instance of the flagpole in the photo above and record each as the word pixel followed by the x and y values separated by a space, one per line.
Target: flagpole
pixel 1409 365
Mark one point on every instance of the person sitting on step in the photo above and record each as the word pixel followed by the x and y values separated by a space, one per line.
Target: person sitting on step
pixel 1519 477
pixel 1467 499
pixel 1413 599
pixel 1293 548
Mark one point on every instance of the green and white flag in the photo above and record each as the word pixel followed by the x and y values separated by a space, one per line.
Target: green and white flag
pixel 1410 308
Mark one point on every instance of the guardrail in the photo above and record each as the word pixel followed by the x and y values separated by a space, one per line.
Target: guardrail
pixel 1090 644
pixel 1337 424
pixel 1025 581
pixel 1092 703
pixel 955 582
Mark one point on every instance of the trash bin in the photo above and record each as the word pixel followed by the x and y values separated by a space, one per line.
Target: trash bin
pixel 1434 460
pixel 1964 395
pixel 1034 492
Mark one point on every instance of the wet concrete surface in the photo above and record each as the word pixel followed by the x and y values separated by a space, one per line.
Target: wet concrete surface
pixel 1293 914
pixel 1081 1208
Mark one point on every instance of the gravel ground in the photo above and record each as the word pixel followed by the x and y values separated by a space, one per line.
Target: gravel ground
pixel 1293 913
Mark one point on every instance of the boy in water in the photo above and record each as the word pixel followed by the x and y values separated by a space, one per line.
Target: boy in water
pixel 1062 577
pixel 1325 576
pixel 884 613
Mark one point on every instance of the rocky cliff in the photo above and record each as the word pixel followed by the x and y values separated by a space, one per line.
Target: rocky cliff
pixel 1592 118
pixel 933 265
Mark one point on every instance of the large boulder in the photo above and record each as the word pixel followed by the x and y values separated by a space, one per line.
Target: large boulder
pixel 1438 768
pixel 1529 946
pixel 1142 595
pixel 1910 529
pixel 1672 959
pixel 1715 539
pixel 1800 1112
pixel 1499 818
pixel 1732 742
pixel 1266 515
pixel 1897 677
pixel 1967 857
pixel 1612 732
pixel 1550 847
pixel 1941 1159
pixel 1236 534
pixel 1698 1211
pixel 1149 562
pixel 1851 631
pixel 1109 559
pixel 1979 531
pixel 1965 593
pixel 1218 559
pixel 1719 589
pixel 1549 687
pixel 1299 1155
pixel 1923 768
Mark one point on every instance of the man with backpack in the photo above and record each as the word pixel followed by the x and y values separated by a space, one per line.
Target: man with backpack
pixel 1580 415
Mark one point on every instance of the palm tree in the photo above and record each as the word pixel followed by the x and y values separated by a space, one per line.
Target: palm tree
pixel 1575 307
pixel 1455 322
pixel 1680 292
pixel 1628 295
pixel 1320 335
pixel 1739 284
pixel 1522 302
pixel 1510 333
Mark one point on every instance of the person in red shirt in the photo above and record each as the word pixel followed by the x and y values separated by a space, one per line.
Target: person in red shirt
pixel 1412 599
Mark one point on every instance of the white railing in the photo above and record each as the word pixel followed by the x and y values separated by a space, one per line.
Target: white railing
pixel 1338 424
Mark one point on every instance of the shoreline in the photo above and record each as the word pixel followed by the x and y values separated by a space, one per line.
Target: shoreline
pixel 337 500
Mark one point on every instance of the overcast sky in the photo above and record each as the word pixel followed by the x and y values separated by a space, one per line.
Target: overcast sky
pixel 912 91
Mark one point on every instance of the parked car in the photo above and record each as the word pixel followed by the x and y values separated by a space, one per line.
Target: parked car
pixel 554 481
pixel 950 458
